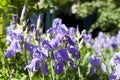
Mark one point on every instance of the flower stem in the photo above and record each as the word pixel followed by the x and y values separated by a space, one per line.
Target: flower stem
pixel 53 77
pixel 43 78
pixel 79 72
pixel 30 75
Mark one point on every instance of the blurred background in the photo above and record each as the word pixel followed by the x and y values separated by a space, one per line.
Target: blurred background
pixel 92 15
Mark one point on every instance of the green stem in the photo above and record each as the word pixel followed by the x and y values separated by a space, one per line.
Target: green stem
pixel 30 75
pixel 79 72
pixel 53 77
pixel 24 52
pixel 43 78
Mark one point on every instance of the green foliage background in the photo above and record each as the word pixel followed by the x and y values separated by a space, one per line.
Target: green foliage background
pixel 107 11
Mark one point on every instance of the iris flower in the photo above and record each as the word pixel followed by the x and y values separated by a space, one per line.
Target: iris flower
pixel 61 57
pixel 39 56
pixel 96 63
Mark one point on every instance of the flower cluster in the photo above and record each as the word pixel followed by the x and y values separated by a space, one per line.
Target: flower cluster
pixel 99 45
pixel 102 42
pixel 96 63
pixel 58 44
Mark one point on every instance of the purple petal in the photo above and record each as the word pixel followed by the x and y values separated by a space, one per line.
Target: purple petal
pixel 62 55
pixel 33 65
pixel 98 50
pixel 69 40
pixel 10 53
pixel 59 67
pixel 50 31
pixel 57 22
pixel 55 42
pixel 64 29
pixel 72 31
pixel 92 71
pixel 95 61
pixel 29 47
pixel 74 51
pixel 46 45
pixel 39 54
pixel 114 76
pixel 44 68
pixel 13 49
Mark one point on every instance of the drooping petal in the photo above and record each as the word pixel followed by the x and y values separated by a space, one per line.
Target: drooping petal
pixel 92 71
pixel 59 67
pixel 44 68
pixel 62 55
pixel 13 49
pixel 10 53
pixel 33 65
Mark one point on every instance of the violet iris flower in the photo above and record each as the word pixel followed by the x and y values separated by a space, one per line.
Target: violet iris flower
pixel 96 63
pixel 61 57
pixel 39 55
pixel 115 61
pixel 58 27
pixel 74 51
pixel 15 36
pixel 100 43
